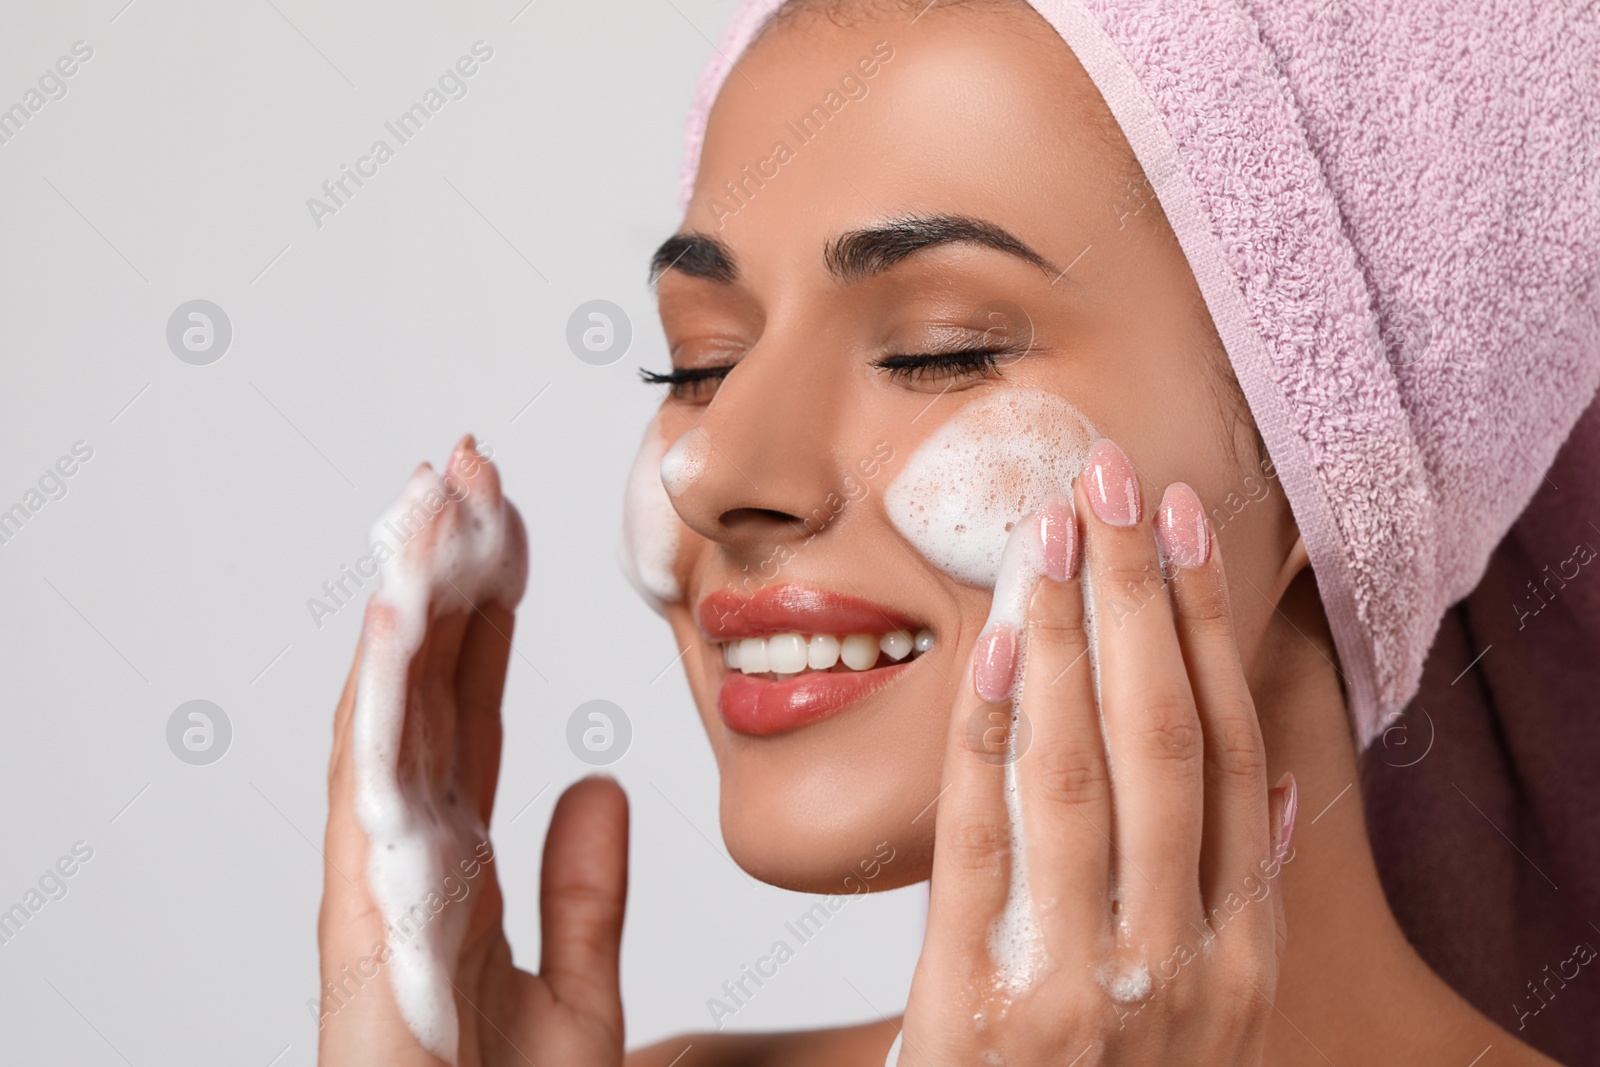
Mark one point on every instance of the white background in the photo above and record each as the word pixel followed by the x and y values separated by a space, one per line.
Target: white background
pixel 220 497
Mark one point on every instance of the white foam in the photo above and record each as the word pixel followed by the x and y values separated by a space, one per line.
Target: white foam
pixel 999 457
pixel 1126 983
pixel 650 525
pixel 1016 940
pixel 684 462
pixel 466 547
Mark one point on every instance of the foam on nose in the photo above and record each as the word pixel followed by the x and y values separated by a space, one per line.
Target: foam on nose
pixel 684 462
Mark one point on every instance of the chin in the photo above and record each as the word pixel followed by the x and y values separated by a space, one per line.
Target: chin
pixel 842 806
pixel 830 749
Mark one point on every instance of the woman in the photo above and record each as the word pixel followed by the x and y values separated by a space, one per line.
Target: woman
pixel 1109 697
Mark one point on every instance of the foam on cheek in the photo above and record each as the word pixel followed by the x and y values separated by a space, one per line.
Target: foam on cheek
pixel 650 525
pixel 464 547
pixel 996 459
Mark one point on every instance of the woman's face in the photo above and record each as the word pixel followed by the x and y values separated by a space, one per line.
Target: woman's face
pixel 805 505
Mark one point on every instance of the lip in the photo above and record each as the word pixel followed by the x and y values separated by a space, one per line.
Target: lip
pixel 761 707
pixel 779 609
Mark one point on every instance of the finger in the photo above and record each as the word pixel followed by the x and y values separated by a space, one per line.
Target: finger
pixel 1283 815
pixel 583 890
pixel 1152 727
pixel 476 483
pixel 1237 829
pixel 471 493
pixel 339 757
pixel 480 685
pixel 344 842
pixel 433 695
pixel 358 1015
pixel 1063 780
pixel 973 861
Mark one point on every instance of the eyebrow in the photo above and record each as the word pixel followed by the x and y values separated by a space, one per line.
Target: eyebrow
pixel 855 255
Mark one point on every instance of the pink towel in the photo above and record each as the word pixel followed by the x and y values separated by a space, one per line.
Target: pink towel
pixel 1392 208
pixel 1481 799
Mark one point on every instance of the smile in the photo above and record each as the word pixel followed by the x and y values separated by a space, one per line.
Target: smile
pixel 793 655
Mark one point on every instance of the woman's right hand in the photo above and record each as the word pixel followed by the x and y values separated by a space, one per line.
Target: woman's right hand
pixel 570 1012
pixel 1142 921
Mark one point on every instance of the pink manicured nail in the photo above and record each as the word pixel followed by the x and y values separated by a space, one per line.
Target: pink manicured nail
pixel 994 663
pixel 1112 486
pixel 1058 532
pixel 1181 528
pixel 467 445
pixel 1291 805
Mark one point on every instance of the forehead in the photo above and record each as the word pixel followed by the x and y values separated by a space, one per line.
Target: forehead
pixel 978 110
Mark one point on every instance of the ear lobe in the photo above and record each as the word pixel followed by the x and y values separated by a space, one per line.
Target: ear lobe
pixel 1296 561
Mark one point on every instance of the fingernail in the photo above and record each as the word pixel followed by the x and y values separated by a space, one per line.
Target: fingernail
pixel 458 456
pixel 1181 528
pixel 1058 532
pixel 1112 485
pixel 994 664
pixel 1291 805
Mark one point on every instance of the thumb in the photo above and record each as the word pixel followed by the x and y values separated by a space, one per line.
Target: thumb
pixel 583 890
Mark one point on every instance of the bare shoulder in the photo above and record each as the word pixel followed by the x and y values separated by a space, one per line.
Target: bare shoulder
pixel 848 1046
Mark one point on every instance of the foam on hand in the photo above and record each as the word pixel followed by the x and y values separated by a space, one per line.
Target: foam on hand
pixel 650 525
pixel 1016 941
pixel 999 457
pixel 465 547
pixel 1126 983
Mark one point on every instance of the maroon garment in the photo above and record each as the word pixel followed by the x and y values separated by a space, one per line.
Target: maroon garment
pixel 1483 800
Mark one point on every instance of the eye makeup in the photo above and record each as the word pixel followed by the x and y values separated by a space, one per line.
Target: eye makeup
pixel 960 363
pixel 689 384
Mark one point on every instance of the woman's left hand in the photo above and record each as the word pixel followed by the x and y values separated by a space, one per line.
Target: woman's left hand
pixel 1119 905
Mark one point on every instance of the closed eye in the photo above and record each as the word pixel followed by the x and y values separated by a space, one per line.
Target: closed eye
pixel 691 384
pixel 969 363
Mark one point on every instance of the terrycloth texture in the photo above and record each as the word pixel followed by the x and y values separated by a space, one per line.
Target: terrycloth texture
pixel 1392 209
pixel 1480 799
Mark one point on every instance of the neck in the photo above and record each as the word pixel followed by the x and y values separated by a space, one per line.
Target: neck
pixel 1351 988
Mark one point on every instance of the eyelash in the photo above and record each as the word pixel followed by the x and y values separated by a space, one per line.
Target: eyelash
pixel 970 363
pixel 684 384
pixel 974 363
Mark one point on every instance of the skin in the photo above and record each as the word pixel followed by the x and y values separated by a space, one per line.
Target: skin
pixel 1213 690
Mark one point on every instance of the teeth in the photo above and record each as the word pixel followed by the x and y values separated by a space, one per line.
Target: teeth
pixel 822 652
pixel 753 655
pixel 859 652
pixel 790 654
pixel 786 653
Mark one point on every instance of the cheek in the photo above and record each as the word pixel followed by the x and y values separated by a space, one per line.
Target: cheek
pixel 999 457
pixel 651 529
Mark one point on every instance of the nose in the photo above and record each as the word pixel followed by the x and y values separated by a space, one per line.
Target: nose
pixel 761 466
